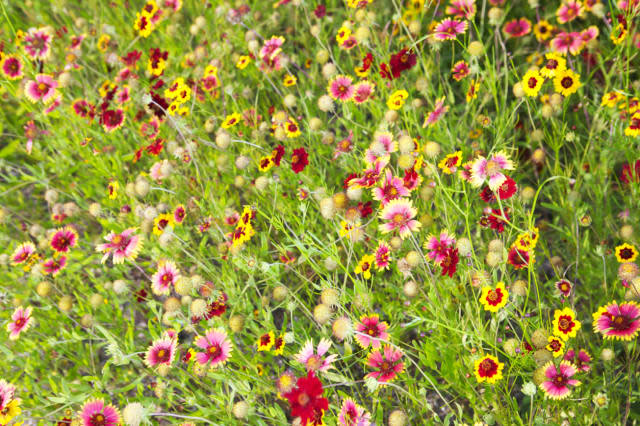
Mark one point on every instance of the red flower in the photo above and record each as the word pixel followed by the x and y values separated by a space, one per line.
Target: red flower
pixel 505 191
pixel 630 173
pixel 450 263
pixel 402 61
pixel 517 258
pixel 348 179
pixel 155 148
pixel 365 209
pixel 131 58
pixel 277 154
pixel 320 11
pixel 384 72
pixel 495 219
pixel 306 399
pixel 299 160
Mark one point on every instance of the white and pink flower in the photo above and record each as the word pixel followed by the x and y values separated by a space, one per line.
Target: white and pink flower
pixel 313 360
pixel 164 278
pixel 21 320
pixel 398 215
pixel 43 88
pixel 217 347
pixel 125 245
pixel 483 169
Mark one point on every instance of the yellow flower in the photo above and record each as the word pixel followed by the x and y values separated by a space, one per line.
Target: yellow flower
pixel 161 222
pixel 231 120
pixel 472 93
pixel 555 346
pixel 542 30
pixel 397 98
pixel 555 64
pixel 618 34
pixel 450 163
pixel 364 266
pixel 10 411
pixel 488 369
pixel 265 163
pixel 103 42
pixel 113 190
pixel 243 61
pixel 143 24
pixel 266 341
pixel 289 80
pixel 493 299
pixel 626 253
pixel 343 35
pixel 566 82
pixel 611 99
pixel 531 83
pixel 565 324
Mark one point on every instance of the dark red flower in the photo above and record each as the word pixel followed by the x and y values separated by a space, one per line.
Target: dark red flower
pixel 449 264
pixel 630 173
pixel 277 154
pixel 348 179
pixel 402 61
pixel 487 195
pixel 495 219
pixel 365 209
pixel 131 58
pixel 306 398
pixel 507 189
pixel 320 11
pixel 518 258
pixel 385 72
pixel 155 148
pixel 299 160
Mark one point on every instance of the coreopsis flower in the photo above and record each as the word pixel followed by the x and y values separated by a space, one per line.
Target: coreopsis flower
pixel 517 27
pixel 519 258
pixel 217 348
pixel 618 33
pixel 352 414
pixel 364 266
pixel 488 369
pixel 565 324
pixel 166 276
pixel 306 399
pixel 10 411
pixel 611 99
pixel 543 30
pixel 370 331
pixel 161 222
pixel 299 160
pixel 564 287
pixel 449 164
pixel 386 364
pixel 449 264
pixel 494 298
pixel 569 10
pixel 291 128
pixel 391 189
pixel 143 24
pixel 96 413
pixel 449 29
pixel 490 170
pixel 397 99
pixel 558 381
pixel 21 320
pixel 23 253
pixel 439 110
pixel 532 83
pixel 472 91
pixel 341 88
pixel 398 215
pixel 112 120
pixel 626 253
pixel 555 345
pixel 634 127
pixel 12 67
pixel 566 82
pixel 54 265
pixel 266 341
pixel 37 43
pixel 462 9
pixel 554 64
pixel 617 320
pixel 278 345
pixel 404 60
pixel 231 120
pixel 125 245
pixel 315 360
pixel 161 352
pixel 43 88
pixel 382 256
pixel 581 359
pixel 460 70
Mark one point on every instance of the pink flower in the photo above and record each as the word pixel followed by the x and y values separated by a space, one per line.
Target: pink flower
pixel 382 145
pixel 216 345
pixel 271 48
pixel 340 88
pixel 371 175
pixel 370 331
pixel 161 351
pixel 460 70
pixel 386 364
pixel 37 43
pixel 314 361
pixel 363 91
pixel 617 321
pixel 165 277
pixel 448 29
pixel 54 265
pixel 438 246
pixel 382 256
pixel 483 169
pixel 351 414
pixel 125 245
pixel 97 413
pixel 42 88
pixel 399 216
pixel 589 34
pixel 392 188
pixel 12 67
pixel 567 42
pixel 54 105
pixel 20 321
pixel 569 11
pixel 580 360
pixel 64 239
pixel 439 110
pixel 559 380
pixel 463 9
pixel 6 393
pixel 518 27
pixel 22 253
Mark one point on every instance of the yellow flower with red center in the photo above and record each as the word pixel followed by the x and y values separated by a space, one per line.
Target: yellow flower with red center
pixel 488 369
pixel 265 163
pixel 231 120
pixel 364 266
pixel 532 83
pixel 565 324
pixel 112 189
pixel 279 344
pixel 289 80
pixel 266 341
pixel 493 299
pixel 566 82
pixel 397 98
pixel 472 93
pixel 450 163
pixel 243 61
pixel 555 346
pixel 626 253
pixel 161 222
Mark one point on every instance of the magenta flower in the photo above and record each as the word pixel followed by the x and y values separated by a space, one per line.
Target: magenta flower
pixel 125 245
pixel 517 27
pixel 381 147
pixel 371 175
pixel 567 42
pixel 43 88
pixel 6 393
pixel 370 331
pixel 12 67
pixel 351 414
pixel 363 91
pixel 581 360
pixel 439 110
pixel 161 351
pixel 314 361
pixel 97 413
pixel 448 29
pixel 341 88
pixel 399 216
pixel 21 320
pixel 216 345
pixel 483 169
pixel 64 239
pixel 386 364
pixel 438 246
pixel 392 188
pixel 462 9
pixel 165 277
pixel 112 119
pixel 22 253
pixel 54 265
pixel 559 382
pixel 382 256
pixel 271 48
pixel 569 10
pixel 37 43
pixel 617 321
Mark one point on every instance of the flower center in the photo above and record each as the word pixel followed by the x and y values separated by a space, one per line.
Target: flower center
pixel 213 350
pixel 492 167
pixel 98 420
pixel 398 218
pixel 303 399
pixel 567 82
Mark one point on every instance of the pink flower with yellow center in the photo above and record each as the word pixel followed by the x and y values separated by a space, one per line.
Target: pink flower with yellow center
pixel 351 414
pixel 341 88
pixel 617 321
pixel 448 29
pixel 97 413
pixel 363 91
pixel 314 360
pixel 558 381
pixel 392 188
pixel 21 320
pixel 438 246
pixel 490 169
pixel 43 88
pixel 125 245
pixel 37 43
pixel 398 215
pixel 569 10
pixel 165 277
pixel 22 253
pixel 382 256
pixel 386 364
pixel 216 345
pixel 370 331
pixel 64 239
pixel 161 352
